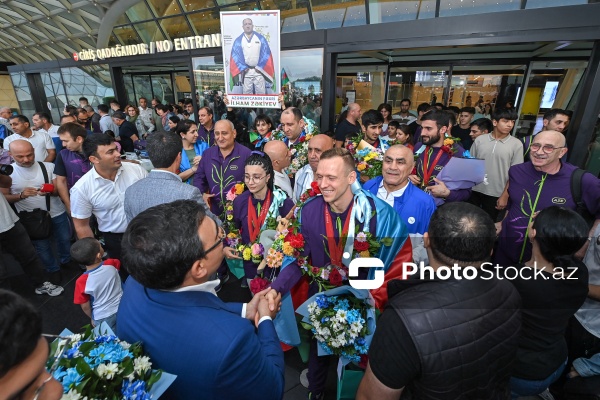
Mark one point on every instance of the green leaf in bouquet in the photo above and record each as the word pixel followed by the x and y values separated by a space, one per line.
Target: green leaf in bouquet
pixel 87 331
pixel 306 326
pixel 86 347
pixel 81 387
pixel 82 367
pixel 136 349
pixel 127 366
pixel 154 378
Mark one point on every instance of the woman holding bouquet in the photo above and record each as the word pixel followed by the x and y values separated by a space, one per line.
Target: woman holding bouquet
pixel 255 211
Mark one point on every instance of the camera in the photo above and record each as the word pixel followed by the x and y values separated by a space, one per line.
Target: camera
pixel 6 169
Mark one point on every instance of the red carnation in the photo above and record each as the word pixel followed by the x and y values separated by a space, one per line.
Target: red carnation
pixel 361 246
pixel 297 241
pixel 303 197
pixel 258 284
pixel 311 193
pixel 447 150
pixel 315 271
pixel 300 261
pixel 302 139
pixel 315 187
pixel 335 278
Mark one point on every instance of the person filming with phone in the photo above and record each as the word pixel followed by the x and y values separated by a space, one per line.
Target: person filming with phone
pixel 33 192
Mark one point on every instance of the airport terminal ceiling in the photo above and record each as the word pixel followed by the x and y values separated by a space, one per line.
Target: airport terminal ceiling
pixel 42 30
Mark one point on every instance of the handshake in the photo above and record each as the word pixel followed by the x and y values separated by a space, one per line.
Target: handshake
pixel 264 304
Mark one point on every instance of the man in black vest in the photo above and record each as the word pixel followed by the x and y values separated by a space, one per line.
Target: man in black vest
pixel 447 338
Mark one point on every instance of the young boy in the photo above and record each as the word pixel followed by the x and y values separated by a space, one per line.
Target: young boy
pixel 98 290
pixel 391 131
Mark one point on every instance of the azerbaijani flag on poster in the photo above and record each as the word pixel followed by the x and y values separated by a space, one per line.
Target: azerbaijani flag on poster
pixel 238 66
pixel 284 77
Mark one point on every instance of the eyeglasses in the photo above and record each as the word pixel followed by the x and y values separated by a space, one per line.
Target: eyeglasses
pixel 547 148
pixel 67 340
pixel 222 236
pixel 256 179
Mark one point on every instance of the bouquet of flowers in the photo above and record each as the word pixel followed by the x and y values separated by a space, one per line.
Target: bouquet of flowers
pixel 369 160
pixel 342 320
pixel 450 145
pixel 100 366
pixel 299 150
pixel 233 234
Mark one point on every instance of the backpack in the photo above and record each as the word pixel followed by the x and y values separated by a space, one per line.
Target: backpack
pixel 576 192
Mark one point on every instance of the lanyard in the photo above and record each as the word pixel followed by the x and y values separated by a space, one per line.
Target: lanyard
pixel 336 249
pixel 254 223
pixel 428 166
pixel 537 197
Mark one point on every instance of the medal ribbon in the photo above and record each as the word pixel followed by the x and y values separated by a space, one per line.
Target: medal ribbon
pixel 336 249
pixel 254 223
pixel 428 167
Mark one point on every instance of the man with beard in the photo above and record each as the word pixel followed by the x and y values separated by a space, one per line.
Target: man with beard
pixel 433 155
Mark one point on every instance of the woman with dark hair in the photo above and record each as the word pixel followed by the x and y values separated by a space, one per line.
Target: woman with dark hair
pixel 164 113
pixel 386 110
pixel 257 209
pixel 261 133
pixel 133 116
pixel 192 150
pixel 173 121
pixel 553 285
pixel 487 111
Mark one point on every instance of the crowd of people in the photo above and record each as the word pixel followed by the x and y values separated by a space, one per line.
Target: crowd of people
pixel 156 247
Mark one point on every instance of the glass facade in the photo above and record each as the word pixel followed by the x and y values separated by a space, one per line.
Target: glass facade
pixel 26 106
pixel 451 8
pixel 382 11
pixel 93 82
pixel 55 93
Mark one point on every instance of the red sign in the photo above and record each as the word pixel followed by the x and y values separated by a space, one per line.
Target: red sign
pixel 75 57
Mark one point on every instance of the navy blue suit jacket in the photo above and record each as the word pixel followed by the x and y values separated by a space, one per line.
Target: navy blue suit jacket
pixel 215 353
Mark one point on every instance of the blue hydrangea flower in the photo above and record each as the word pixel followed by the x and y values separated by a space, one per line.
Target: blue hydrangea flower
pixel 324 319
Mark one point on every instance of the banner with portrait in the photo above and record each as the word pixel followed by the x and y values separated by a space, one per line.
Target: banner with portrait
pixel 251 47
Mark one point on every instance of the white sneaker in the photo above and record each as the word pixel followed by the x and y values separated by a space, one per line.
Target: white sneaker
pixel 49 289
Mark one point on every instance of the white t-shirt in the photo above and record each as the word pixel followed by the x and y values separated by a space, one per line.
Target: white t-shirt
pixel 93 194
pixel 52 131
pixel 40 141
pixel 8 218
pixel 100 286
pixel 23 177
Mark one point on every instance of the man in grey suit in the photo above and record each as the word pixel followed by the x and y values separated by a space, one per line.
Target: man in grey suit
pixel 162 185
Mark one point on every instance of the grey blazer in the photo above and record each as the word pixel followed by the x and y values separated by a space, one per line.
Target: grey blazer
pixel 160 188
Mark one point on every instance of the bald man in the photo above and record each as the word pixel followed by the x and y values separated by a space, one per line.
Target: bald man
pixel 349 127
pixel 305 176
pixel 281 157
pixel 414 206
pixel 537 184
pixel 26 195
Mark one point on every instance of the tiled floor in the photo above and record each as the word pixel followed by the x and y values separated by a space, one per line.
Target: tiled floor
pixel 60 312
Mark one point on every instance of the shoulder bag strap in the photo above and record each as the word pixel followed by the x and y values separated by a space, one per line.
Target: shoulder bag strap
pixel 46 180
